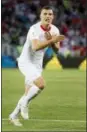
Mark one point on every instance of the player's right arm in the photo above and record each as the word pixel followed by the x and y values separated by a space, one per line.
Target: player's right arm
pixel 37 44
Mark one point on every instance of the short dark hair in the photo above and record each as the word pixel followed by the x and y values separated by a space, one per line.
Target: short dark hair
pixel 47 7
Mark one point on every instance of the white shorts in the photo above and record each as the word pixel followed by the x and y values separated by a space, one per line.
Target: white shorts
pixel 30 72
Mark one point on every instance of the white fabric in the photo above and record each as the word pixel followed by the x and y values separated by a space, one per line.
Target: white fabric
pixel 30 62
pixel 30 72
pixel 24 100
pixel 31 93
pixel 14 114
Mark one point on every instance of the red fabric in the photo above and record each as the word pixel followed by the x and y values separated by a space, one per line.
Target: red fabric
pixel 45 29
pixel 76 20
pixel 82 50
pixel 76 47
pixel 64 29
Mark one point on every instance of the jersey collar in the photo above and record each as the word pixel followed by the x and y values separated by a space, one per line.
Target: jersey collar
pixel 44 29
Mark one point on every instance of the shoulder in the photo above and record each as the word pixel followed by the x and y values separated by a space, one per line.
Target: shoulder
pixel 33 31
pixel 35 26
pixel 54 28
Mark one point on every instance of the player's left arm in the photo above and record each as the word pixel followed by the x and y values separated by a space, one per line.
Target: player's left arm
pixel 48 36
pixel 55 47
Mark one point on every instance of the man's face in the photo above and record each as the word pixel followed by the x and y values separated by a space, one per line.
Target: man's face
pixel 46 16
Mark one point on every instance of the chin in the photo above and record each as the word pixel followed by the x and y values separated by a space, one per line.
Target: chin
pixel 48 23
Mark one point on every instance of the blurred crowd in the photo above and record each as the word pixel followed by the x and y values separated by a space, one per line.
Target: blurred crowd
pixel 70 18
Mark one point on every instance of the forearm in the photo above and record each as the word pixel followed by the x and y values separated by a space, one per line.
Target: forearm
pixel 55 47
pixel 41 45
pixel 38 45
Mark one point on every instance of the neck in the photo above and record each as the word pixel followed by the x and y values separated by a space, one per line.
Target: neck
pixel 45 27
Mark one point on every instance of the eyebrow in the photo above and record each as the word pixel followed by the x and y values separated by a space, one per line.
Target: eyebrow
pixel 48 13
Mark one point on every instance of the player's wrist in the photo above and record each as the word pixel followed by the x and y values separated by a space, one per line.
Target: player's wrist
pixel 50 41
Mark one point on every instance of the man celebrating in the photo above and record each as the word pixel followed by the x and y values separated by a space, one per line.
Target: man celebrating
pixel 40 35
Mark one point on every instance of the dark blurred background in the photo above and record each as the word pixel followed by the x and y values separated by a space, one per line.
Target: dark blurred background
pixel 70 17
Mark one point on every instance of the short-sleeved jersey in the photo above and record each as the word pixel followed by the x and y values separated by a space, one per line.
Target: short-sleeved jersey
pixel 35 57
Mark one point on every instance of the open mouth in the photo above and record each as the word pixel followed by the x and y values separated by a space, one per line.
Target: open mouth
pixel 47 20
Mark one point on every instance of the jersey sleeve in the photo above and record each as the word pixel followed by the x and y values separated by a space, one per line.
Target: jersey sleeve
pixel 32 34
pixel 56 31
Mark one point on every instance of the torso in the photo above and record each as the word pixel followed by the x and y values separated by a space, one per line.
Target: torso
pixel 35 57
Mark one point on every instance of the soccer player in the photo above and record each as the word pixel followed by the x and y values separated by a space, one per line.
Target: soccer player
pixel 40 35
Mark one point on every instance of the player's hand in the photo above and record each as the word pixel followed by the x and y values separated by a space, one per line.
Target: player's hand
pixel 48 35
pixel 57 38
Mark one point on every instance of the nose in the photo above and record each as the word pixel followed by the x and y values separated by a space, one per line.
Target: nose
pixel 47 15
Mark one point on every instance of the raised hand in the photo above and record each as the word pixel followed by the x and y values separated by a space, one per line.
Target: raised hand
pixel 57 38
pixel 48 35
